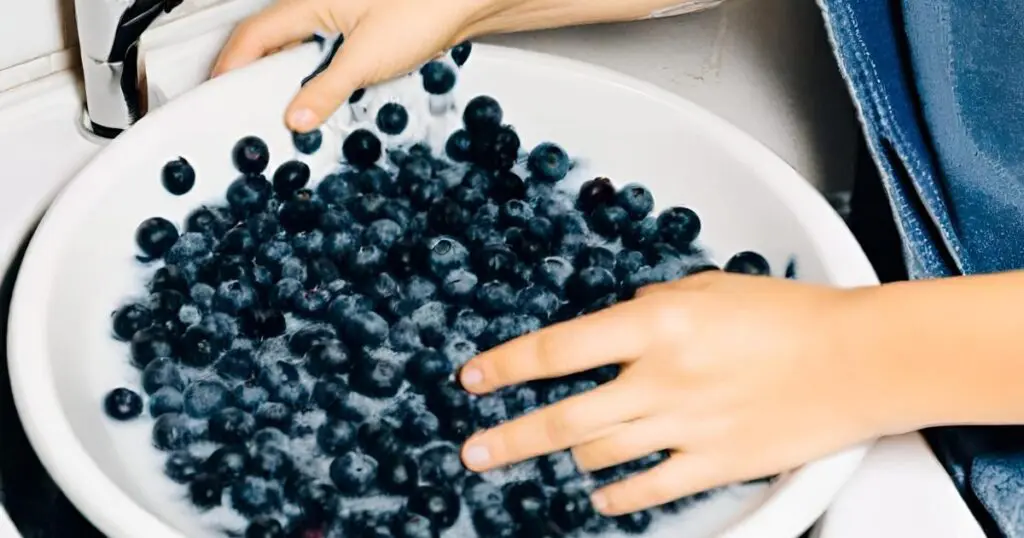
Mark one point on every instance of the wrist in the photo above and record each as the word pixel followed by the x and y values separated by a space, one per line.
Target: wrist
pixel 508 16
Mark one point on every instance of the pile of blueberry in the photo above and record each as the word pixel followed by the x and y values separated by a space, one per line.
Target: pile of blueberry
pixel 298 345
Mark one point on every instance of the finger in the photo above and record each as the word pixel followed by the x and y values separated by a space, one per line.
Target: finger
pixel 611 336
pixel 270 29
pixel 651 289
pixel 679 476
pixel 628 442
pixel 556 427
pixel 382 45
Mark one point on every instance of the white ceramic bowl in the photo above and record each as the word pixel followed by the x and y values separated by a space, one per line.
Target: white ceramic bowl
pixel 80 264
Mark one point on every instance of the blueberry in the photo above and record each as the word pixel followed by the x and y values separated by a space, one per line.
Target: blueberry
pixel 469 323
pixel 426 193
pixel 448 217
pixel 361 148
pixel 166 400
pixel 458 146
pixel 171 431
pixel 383 233
pixel 250 398
pixel 155 236
pixel 249 195
pixel 205 397
pixel 494 522
pixel 480 494
pixel 333 396
pixel 521 399
pixel 554 272
pixel 206 221
pixel 275 415
pixel 190 246
pixel 205 491
pixel 557 469
pixel 265 526
pixel 336 436
pixel 495 262
pixel 596 257
pixel 791 272
pixel 570 510
pixel 339 246
pixel 482 114
pixel 334 189
pixel 679 226
pixel 178 176
pixel 441 465
pixel 634 523
pixel 748 263
pixel 398 475
pixel 409 525
pixel 251 155
pixel 438 504
pixel 419 427
pixel 636 199
pixel 150 344
pixel 270 461
pixel 460 53
pixel 506 327
pixel 416 169
pixel 595 193
pixel 327 356
pixel 459 284
pixel 490 411
pixel 231 425
pixel 590 284
pixel 438 78
pixel 278 373
pixel 122 404
pixel 426 367
pixel 317 500
pixel 445 254
pixel 353 473
pixel 365 329
pixel 300 214
pixel 199 346
pixel 254 496
pixel 628 262
pixel 233 296
pixel 202 295
pixel 392 119
pixel 181 466
pixel 130 319
pixel 538 301
pixel 366 261
pixel 307 143
pixel 357 96
pixel 548 162
pixel 376 378
pixel 262 323
pixel 496 149
pixel 290 177
pixel 495 297
pixel 526 244
pixel 610 221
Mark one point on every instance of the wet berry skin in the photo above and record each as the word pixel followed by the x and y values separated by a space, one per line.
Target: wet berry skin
pixel 679 226
pixel 481 114
pixel 461 52
pixel 438 78
pixel 361 148
pixel 129 319
pixel 595 193
pixel 548 162
pixel 392 119
pixel 251 155
pixel 309 142
pixel 438 504
pixel 290 177
pixel 122 404
pixel 155 236
pixel 178 176
pixel 748 263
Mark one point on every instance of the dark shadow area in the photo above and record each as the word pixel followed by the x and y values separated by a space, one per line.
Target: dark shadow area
pixel 36 505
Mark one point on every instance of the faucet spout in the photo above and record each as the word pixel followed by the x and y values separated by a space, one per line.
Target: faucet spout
pixel 115 82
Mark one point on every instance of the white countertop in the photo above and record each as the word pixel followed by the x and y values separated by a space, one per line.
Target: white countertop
pixel 763 65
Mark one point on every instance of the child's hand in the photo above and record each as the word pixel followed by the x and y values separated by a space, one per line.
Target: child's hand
pixel 383 38
pixel 738 377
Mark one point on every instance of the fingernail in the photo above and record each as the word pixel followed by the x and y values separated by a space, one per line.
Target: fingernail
pixel 471 376
pixel 599 501
pixel 301 119
pixel 477 455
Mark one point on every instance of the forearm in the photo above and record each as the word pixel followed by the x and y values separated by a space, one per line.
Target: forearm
pixel 523 15
pixel 940 352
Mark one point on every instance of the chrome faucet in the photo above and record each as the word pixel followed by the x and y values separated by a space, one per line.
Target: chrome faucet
pixel 114 71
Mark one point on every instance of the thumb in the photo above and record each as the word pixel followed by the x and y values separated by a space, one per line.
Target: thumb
pixel 381 46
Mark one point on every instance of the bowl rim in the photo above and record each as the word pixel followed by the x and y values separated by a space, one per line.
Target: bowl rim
pixel 797 498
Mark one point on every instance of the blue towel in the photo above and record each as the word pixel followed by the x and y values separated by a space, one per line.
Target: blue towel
pixel 939 86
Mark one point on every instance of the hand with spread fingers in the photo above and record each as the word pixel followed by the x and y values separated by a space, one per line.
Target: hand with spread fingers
pixel 736 376
pixel 385 38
